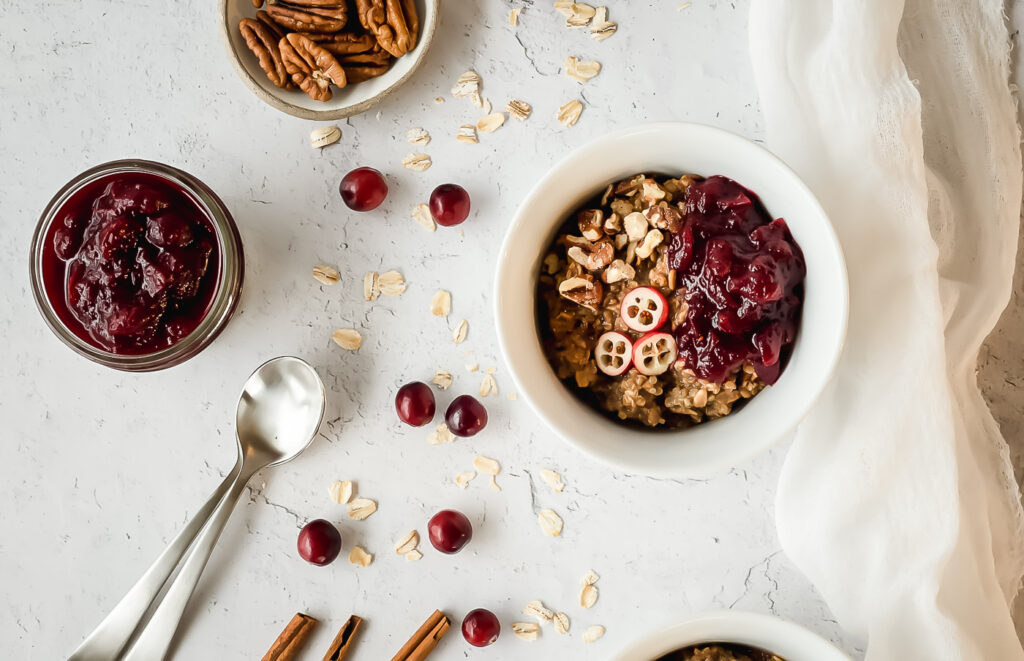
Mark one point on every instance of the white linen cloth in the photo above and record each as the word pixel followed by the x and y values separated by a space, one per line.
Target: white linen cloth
pixel 897 498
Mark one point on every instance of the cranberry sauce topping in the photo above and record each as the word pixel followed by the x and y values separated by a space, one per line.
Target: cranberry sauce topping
pixel 743 276
pixel 128 261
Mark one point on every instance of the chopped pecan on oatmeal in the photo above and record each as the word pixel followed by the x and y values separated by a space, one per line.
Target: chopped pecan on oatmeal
pixel 634 239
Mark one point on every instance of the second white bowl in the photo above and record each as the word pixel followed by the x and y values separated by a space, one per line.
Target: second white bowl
pixel 672 148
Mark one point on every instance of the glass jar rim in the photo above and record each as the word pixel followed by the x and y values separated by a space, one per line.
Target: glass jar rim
pixel 226 294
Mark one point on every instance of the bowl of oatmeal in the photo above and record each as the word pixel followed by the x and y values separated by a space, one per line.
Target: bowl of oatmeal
pixel 671 299
pixel 731 636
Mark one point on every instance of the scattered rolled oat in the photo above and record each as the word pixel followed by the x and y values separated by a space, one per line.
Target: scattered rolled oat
pixel 553 479
pixel 570 113
pixel 391 283
pixel 564 7
pixel 513 16
pixel 467 134
pixel 550 523
pixel 418 136
pixel 518 109
pixel 468 85
pixel 494 484
pixel 463 479
pixel 371 286
pixel 348 338
pixel 472 367
pixel 588 595
pixel 441 435
pixel 359 557
pixel 417 162
pixel 413 556
pixel 590 634
pixel 683 6
pixel 438 99
pixel 325 274
pixel 486 465
pixel 487 107
pixel 590 578
pixel 442 379
pixel 580 15
pixel 489 387
pixel 581 70
pixel 361 508
pixel 526 630
pixel 340 491
pixel 491 370
pixel 441 303
pixel 538 610
pixel 408 543
pixel 323 136
pixel 491 123
pixel 561 622
pixel 459 334
pixel 600 27
pixel 421 214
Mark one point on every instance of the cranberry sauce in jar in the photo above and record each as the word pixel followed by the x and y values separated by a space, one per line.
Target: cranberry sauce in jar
pixel 743 276
pixel 130 263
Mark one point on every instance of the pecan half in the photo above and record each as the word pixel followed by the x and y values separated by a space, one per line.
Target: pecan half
pixel 311 67
pixel 361 73
pixel 321 16
pixel 395 23
pixel 262 41
pixel 344 43
pixel 590 221
pixel 583 290
pixel 375 57
pixel 264 18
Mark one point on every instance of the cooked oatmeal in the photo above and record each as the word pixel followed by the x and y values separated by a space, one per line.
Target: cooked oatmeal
pixel 634 361
pixel 720 652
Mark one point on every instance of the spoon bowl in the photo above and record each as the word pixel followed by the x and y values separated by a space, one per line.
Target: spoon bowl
pixel 279 410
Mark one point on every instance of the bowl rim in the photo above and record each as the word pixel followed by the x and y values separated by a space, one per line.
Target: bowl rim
pixel 773 634
pixel 426 38
pixel 741 453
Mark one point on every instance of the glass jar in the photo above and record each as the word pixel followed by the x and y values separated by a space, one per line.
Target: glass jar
pixel 50 283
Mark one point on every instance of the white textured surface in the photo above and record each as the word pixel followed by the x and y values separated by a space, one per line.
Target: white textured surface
pixel 99 469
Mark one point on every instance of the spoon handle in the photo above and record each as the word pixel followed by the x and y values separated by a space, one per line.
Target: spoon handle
pixel 155 639
pixel 109 639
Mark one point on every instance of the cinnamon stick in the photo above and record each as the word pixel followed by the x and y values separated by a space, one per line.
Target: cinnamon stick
pixel 344 641
pixel 425 639
pixel 292 639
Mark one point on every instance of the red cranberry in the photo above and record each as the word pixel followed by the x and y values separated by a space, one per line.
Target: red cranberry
pixel 363 189
pixel 465 416
pixel 319 542
pixel 449 531
pixel 415 404
pixel 449 204
pixel 481 627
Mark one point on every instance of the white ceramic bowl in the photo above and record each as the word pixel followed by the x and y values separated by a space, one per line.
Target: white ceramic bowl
pixel 784 639
pixel 673 148
pixel 350 100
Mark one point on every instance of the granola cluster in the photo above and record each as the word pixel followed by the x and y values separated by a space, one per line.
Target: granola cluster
pixel 609 247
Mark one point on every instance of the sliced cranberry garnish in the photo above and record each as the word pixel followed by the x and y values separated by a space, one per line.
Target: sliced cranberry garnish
pixel 480 627
pixel 415 404
pixel 613 353
pixel 644 309
pixel 654 353
pixel 465 416
pixel 449 204
pixel 319 542
pixel 449 531
pixel 363 189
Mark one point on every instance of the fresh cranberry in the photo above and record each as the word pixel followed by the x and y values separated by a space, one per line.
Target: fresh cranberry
pixel 319 542
pixel 363 189
pixel 449 531
pixel 480 628
pixel 449 204
pixel 465 416
pixel 415 404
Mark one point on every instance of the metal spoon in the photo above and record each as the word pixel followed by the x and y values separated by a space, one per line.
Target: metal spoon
pixel 279 412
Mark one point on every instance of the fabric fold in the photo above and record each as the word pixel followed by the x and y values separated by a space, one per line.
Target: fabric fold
pixel 897 498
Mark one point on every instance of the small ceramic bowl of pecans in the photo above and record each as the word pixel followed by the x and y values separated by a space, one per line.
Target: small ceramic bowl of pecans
pixel 327 59
pixel 671 299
